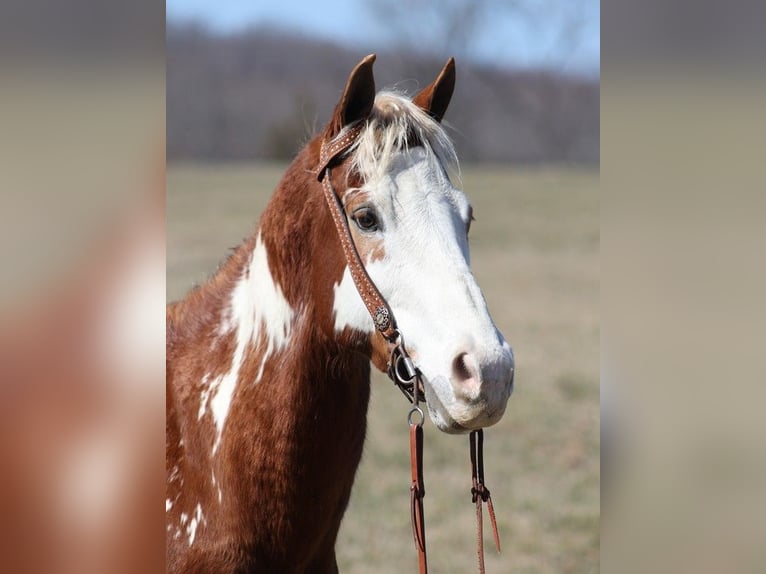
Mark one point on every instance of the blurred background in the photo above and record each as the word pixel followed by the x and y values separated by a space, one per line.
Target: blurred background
pixel 249 83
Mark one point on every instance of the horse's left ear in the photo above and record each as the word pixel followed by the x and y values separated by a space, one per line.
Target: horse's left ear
pixel 358 97
pixel 435 97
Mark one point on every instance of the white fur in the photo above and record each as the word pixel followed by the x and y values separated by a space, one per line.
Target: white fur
pixel 348 308
pixel 218 487
pixel 198 518
pixel 258 309
pixel 426 279
pixel 206 390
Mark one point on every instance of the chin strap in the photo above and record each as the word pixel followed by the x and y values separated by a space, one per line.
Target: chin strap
pixel 376 305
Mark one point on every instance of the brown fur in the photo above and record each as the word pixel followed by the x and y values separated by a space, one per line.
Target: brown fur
pixel 292 442
pixel 282 499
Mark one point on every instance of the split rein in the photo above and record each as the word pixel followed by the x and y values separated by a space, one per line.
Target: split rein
pixel 401 369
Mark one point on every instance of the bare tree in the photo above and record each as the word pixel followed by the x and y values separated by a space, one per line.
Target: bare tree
pixel 455 27
pixel 259 94
pixel 432 27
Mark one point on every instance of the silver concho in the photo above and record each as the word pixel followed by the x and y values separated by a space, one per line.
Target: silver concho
pixel 382 319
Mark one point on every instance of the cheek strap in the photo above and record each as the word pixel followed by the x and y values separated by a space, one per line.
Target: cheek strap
pixel 376 305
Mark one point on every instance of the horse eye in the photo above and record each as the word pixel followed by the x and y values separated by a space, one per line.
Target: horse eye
pixel 366 219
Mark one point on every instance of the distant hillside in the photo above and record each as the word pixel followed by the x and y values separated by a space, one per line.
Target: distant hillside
pixel 260 94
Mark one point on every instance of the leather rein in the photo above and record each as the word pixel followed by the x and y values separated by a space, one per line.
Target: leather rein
pixel 401 369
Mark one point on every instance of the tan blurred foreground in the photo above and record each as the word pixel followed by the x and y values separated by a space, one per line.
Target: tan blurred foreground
pixel 683 279
pixel 82 324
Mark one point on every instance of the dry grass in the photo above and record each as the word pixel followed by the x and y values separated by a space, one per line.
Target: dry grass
pixel 535 250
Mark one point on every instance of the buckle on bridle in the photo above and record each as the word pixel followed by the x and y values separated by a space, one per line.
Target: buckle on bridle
pixel 401 368
pixel 404 368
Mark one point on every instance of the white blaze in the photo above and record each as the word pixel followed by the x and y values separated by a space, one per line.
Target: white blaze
pixel 426 279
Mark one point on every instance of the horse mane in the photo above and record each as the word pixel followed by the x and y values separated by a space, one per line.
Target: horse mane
pixel 395 124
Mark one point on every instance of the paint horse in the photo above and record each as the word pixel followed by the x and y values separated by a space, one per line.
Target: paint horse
pixel 268 362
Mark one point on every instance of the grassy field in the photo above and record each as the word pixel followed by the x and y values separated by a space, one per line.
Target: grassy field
pixel 535 251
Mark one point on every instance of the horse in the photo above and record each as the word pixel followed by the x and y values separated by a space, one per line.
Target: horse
pixel 269 361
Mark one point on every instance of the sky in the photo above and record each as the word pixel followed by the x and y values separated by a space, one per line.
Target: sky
pixel 532 39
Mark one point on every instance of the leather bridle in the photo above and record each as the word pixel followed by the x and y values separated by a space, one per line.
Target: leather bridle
pixel 401 368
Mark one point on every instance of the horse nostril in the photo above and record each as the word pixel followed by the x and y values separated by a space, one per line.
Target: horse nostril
pixel 463 369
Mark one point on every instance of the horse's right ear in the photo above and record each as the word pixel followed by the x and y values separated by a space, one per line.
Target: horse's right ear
pixel 357 100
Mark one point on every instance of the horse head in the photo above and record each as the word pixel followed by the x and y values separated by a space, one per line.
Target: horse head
pixel 410 225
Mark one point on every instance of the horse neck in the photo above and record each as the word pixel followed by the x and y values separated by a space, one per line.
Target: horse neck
pixel 300 409
pixel 276 298
pixel 277 400
pixel 304 261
